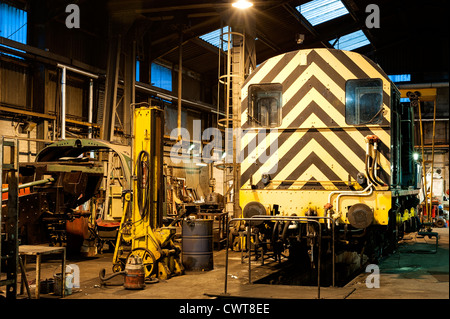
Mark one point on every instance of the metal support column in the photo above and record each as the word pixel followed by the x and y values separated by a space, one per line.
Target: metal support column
pixel 9 243
pixel 112 75
pixel 180 84
pixel 129 85
pixel 63 102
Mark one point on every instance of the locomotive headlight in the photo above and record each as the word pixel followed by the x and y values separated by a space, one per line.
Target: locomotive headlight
pixel 415 156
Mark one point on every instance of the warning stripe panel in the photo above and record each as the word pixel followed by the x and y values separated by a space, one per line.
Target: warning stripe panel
pixel 314 97
pixel 287 140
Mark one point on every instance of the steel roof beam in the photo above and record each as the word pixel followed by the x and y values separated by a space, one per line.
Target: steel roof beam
pixel 301 19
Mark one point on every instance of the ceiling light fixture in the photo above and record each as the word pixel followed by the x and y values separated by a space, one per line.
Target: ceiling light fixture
pixel 242 4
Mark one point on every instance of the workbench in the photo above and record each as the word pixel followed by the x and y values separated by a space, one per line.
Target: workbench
pixel 38 251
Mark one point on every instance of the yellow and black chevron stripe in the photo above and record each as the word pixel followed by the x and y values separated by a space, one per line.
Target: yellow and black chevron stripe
pixel 317 149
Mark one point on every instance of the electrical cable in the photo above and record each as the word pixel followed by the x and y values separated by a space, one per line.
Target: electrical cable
pixel 368 169
pixel 142 189
pixel 375 166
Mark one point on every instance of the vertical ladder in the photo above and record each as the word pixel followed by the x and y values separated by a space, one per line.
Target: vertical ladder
pixel 9 243
pixel 237 79
pixel 233 80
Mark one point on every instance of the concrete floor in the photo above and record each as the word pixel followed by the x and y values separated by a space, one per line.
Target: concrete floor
pixel 410 273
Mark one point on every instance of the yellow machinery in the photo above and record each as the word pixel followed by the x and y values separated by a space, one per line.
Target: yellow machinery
pixel 140 230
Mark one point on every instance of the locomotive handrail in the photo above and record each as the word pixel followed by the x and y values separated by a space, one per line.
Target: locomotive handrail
pixel 363 192
pixel 254 218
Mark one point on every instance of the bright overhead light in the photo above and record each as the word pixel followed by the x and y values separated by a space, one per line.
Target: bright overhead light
pixel 242 4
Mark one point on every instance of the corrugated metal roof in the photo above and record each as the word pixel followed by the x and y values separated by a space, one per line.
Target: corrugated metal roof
pixel 319 11
pixel 350 41
pixel 195 57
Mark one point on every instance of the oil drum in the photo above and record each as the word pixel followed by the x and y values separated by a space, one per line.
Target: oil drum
pixel 197 235
pixel 134 273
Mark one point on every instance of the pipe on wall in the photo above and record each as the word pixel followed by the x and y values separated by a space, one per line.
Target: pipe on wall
pixel 180 84
pixel 63 96
pixel 91 105
pixel 63 103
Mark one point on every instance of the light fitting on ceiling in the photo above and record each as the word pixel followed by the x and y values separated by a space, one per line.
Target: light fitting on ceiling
pixel 299 38
pixel 242 4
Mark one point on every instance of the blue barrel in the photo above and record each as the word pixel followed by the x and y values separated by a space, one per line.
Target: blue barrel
pixel 197 236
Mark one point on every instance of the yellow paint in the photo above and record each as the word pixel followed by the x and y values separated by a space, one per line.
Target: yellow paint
pixel 413 212
pixel 406 215
pixel 300 201
pixel 261 73
pixel 425 94
pixel 156 242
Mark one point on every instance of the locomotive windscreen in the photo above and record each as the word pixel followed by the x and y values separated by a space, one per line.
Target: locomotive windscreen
pixel 363 101
pixel 265 105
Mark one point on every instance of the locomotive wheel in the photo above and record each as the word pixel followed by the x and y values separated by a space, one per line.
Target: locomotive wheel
pixel 148 259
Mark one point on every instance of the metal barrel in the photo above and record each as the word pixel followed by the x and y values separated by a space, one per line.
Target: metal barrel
pixel 197 238
pixel 134 273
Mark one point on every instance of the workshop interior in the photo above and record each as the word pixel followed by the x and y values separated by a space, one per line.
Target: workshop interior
pixel 224 149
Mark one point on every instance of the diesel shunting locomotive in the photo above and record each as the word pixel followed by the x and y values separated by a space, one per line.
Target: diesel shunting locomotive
pixel 343 150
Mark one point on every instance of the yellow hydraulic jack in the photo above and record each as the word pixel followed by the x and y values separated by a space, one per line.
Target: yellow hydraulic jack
pixel 140 232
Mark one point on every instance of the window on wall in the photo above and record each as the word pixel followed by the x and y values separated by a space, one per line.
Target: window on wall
pixel 138 70
pixel 161 77
pixel 13 23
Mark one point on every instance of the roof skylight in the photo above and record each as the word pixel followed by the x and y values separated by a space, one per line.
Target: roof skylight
pixel 319 11
pixel 13 25
pixel 214 38
pixel 350 41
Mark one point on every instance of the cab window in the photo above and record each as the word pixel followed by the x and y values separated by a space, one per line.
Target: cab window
pixel 363 101
pixel 265 101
